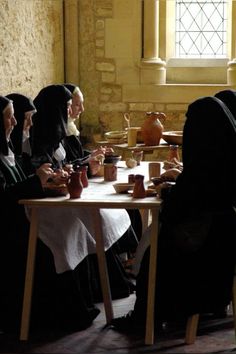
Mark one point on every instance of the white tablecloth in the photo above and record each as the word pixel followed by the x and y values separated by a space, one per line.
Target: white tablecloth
pixel 69 232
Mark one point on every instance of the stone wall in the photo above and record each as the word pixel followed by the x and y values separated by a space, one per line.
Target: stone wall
pixel 110 52
pixel 103 52
pixel 31 44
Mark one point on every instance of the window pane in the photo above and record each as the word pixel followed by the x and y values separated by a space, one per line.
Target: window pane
pixel 201 29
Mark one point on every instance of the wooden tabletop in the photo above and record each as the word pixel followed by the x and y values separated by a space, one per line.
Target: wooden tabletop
pixel 102 194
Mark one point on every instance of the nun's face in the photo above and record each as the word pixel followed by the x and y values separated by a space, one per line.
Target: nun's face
pixel 28 121
pixel 77 105
pixel 9 120
pixel 69 108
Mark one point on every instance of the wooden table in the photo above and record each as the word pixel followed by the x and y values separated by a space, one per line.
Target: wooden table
pixel 98 195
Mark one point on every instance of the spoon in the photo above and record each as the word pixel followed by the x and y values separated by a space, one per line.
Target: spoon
pixel 127 118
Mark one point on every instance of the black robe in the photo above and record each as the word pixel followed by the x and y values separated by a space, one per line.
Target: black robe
pixel 75 153
pixel 48 131
pixel 62 301
pixel 59 300
pixel 121 285
pixel 196 248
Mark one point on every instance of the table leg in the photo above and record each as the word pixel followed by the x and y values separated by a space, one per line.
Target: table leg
pixel 149 335
pixel 29 276
pixel 145 219
pixel 102 265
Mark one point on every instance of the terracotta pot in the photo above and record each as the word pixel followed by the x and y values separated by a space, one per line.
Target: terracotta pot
pixel 84 177
pixel 110 172
pixel 152 128
pixel 139 190
pixel 74 185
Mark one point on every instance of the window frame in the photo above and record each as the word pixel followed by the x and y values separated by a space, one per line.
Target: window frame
pixel 184 70
pixel 183 9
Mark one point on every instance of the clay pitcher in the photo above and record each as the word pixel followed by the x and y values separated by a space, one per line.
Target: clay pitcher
pixel 84 176
pixel 110 172
pixel 139 190
pixel 74 185
pixel 152 128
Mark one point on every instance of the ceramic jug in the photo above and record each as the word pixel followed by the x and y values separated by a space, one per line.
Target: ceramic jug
pixel 74 185
pixel 139 190
pixel 152 128
pixel 84 176
pixel 110 172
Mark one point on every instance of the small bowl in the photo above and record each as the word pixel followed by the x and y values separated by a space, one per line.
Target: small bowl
pixel 123 187
pixel 112 159
pixel 173 137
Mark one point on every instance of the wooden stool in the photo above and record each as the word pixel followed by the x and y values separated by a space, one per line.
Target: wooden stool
pixel 192 323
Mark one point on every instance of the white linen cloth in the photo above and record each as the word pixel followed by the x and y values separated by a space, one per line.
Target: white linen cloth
pixel 70 234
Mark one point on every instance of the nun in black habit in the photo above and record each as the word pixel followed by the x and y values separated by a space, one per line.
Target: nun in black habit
pixel 48 135
pixel 58 301
pixel 75 152
pixel 14 185
pixel 24 110
pixel 228 97
pixel 196 248
pixel 50 123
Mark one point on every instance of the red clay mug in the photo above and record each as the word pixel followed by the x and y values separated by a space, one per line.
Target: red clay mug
pixel 110 172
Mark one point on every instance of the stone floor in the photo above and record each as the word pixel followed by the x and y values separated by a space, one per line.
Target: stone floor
pixel 213 337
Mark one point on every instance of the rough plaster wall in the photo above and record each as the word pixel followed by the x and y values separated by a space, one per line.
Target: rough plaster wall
pixel 89 77
pixel 31 45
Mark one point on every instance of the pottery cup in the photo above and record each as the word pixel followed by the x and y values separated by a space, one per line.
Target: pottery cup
pixel 132 136
pixel 110 172
pixel 154 169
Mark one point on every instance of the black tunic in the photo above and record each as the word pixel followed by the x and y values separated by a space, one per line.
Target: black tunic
pixel 196 251
pixel 59 300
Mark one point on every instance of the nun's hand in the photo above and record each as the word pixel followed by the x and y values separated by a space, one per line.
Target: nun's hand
pixel 171 174
pixel 174 163
pixel 44 172
pixel 68 168
pixel 60 177
pixel 96 152
pixel 94 166
pixel 108 150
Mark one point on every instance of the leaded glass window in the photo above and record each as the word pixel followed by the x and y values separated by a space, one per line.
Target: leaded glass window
pixel 201 29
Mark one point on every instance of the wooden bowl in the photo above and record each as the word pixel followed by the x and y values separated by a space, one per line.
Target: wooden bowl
pixel 116 136
pixel 174 137
pixel 123 187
